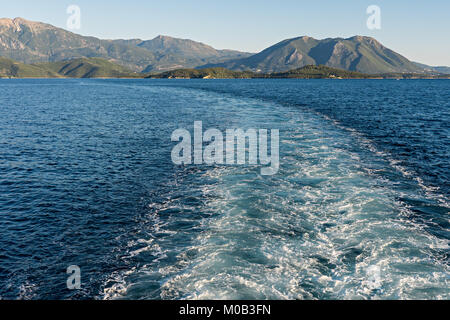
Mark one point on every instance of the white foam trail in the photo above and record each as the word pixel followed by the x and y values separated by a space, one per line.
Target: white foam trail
pixel 326 227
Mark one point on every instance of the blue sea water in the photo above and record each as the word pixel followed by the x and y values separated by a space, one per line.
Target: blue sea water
pixel 358 210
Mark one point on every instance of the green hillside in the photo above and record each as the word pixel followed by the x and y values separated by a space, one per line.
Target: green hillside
pixel 320 72
pixel 89 68
pixel 77 68
pixel 101 68
pixel 212 73
pixel 13 69
pixel 306 72
pixel 324 72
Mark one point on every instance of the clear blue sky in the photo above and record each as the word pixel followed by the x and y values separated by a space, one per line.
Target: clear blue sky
pixel 417 29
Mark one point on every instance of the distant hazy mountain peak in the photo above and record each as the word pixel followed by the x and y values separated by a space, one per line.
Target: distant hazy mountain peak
pixel 360 38
pixel 366 39
pixel 303 38
pixel 164 37
pixel 22 20
pixel 433 69
pixel 18 23
pixel 167 40
pixel 9 21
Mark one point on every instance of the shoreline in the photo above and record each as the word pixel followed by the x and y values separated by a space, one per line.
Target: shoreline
pixel 256 78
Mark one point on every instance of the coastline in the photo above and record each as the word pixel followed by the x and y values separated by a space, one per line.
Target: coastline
pixel 210 78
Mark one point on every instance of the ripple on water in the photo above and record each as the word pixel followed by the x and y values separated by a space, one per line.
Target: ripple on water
pixel 323 228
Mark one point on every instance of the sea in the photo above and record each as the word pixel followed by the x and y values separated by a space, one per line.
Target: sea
pixel 359 208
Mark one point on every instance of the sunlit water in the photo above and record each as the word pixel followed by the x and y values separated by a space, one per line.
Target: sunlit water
pixel 358 210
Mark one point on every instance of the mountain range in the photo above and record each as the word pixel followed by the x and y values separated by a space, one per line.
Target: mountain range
pixel 430 69
pixel 101 68
pixel 31 42
pixel 361 54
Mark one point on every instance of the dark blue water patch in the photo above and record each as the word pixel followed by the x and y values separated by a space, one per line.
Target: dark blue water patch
pixel 74 172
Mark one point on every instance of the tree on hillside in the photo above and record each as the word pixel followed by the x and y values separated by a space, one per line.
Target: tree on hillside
pixel 13 71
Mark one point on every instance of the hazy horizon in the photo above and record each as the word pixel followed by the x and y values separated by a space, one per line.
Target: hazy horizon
pixel 416 31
